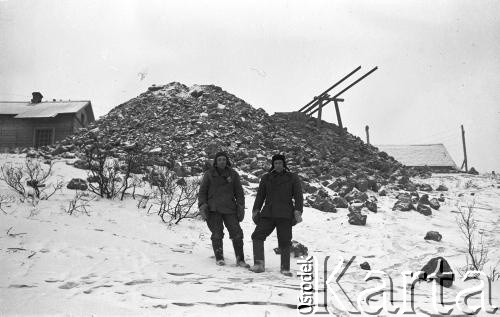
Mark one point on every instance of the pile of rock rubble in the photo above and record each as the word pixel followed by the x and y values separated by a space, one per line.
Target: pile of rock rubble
pixel 183 127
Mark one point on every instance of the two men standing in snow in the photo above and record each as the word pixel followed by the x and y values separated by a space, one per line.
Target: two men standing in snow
pixel 221 201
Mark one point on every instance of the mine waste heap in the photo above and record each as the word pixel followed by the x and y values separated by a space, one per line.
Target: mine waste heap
pixel 183 127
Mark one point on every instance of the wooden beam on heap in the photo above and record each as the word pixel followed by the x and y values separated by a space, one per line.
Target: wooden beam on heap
pixel 311 104
pixel 347 88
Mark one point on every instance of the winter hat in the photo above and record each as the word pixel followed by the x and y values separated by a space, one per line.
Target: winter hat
pixel 228 162
pixel 279 157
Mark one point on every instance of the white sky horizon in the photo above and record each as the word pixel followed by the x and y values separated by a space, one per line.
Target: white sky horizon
pixel 439 61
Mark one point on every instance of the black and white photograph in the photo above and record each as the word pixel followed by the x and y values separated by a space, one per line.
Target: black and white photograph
pixel 249 158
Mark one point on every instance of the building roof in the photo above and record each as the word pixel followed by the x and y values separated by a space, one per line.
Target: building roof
pixel 420 154
pixel 40 110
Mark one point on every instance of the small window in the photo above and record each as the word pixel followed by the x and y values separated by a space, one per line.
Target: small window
pixel 43 137
pixel 82 119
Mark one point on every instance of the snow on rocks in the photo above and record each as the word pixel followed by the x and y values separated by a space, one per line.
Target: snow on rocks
pixel 173 122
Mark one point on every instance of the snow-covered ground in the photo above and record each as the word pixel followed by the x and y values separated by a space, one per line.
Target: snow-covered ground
pixel 121 261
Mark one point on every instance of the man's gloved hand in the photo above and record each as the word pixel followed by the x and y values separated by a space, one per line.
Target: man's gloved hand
pixel 204 212
pixel 256 216
pixel 298 216
pixel 240 210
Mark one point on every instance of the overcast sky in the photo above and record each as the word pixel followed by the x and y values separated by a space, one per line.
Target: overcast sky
pixel 439 61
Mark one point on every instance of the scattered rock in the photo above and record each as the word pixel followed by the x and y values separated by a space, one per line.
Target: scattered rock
pixel 403 205
pixel 81 164
pixel 424 199
pixel 340 202
pixel 77 183
pixel 439 270
pixel 365 266
pixel 473 171
pixel 297 249
pixel 362 185
pixel 324 204
pixel 357 218
pixel 424 209
pixel 425 187
pixel 434 203
pixel 433 235
pixel 32 154
pixel 355 194
pixel 442 188
pixel 371 205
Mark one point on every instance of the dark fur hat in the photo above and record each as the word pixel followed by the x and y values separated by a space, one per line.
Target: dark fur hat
pixel 228 162
pixel 278 157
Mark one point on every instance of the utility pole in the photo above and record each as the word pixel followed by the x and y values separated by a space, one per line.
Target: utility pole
pixel 465 150
pixel 367 129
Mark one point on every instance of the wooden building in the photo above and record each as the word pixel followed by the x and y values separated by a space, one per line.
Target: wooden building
pixel 434 156
pixel 37 123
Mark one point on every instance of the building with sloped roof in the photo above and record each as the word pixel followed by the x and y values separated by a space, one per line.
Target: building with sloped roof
pixel 434 156
pixel 37 123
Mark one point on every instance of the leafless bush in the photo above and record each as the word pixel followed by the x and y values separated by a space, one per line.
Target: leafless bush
pixel 475 246
pixel 5 201
pixel 172 197
pixel 469 184
pixel 109 176
pixel 80 203
pixel 34 175
pixel 494 273
pixel 136 181
pixel 13 176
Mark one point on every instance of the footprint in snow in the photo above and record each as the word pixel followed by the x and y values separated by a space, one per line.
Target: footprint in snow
pixel 90 290
pixel 21 286
pixel 69 285
pixel 53 280
pixel 135 282
pixel 179 274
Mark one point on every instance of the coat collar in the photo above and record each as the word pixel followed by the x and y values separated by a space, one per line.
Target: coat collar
pixel 227 172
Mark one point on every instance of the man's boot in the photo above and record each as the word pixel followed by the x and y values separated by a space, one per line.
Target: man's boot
pixel 285 261
pixel 238 251
pixel 218 252
pixel 258 257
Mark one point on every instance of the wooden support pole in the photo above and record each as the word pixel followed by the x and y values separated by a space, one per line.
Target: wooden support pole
pixel 367 129
pixel 465 150
pixel 339 119
pixel 320 110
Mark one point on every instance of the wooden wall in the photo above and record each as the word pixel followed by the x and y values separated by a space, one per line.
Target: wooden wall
pixel 20 132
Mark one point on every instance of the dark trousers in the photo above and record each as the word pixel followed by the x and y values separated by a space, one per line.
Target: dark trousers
pixel 266 226
pixel 216 222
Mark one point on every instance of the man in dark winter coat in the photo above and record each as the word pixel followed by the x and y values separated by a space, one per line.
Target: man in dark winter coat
pixel 276 190
pixel 221 201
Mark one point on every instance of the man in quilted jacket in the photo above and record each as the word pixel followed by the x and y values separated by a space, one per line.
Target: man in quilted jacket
pixel 280 192
pixel 221 201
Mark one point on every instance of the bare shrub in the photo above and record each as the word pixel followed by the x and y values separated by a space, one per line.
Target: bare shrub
pixel 34 175
pixel 135 182
pixel 13 176
pixel 110 176
pixel 5 201
pixel 476 247
pixel 79 203
pixel 172 197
